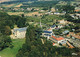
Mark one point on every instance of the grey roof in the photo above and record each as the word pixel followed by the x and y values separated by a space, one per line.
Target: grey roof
pixel 47 31
pixel 20 29
pixel 64 42
pixel 65 31
pixel 53 26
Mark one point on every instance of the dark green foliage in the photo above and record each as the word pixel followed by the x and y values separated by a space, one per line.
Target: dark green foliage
pixel 5 41
pixel 46 4
pixel 58 31
pixel 69 18
pixel 11 46
pixel 7 22
pixel 66 8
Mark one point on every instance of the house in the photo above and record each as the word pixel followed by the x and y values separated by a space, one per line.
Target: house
pixel 58 39
pixel 73 35
pixel 47 34
pixel 75 16
pixel 50 29
pixel 53 9
pixel 29 9
pixel 53 44
pixel 63 22
pixel 56 13
pixel 66 32
pixel 18 33
pixel 53 27
pixel 76 10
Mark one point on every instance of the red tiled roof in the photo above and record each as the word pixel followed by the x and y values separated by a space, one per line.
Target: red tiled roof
pixel 74 35
pixel 49 29
pixel 53 43
pixel 77 10
pixel 58 39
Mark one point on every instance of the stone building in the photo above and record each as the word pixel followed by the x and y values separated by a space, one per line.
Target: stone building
pixel 18 33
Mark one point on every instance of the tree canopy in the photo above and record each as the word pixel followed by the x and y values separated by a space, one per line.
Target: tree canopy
pixel 7 22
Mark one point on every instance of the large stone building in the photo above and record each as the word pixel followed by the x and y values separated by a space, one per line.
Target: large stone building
pixel 18 33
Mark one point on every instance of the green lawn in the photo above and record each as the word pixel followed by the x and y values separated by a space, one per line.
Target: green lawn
pixel 8 52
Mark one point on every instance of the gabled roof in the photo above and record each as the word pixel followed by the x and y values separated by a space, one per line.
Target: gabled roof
pixel 53 26
pixel 67 31
pixel 47 31
pixel 77 10
pixel 58 39
pixel 53 43
pixel 20 29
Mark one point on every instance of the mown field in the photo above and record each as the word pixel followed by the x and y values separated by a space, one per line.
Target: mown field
pixel 8 52
pixel 15 13
pixel 12 5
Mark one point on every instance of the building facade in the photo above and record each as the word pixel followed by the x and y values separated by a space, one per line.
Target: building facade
pixel 19 33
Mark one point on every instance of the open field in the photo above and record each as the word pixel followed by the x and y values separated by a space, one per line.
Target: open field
pixel 8 52
pixel 26 14
pixel 12 5
pixel 18 5
pixel 3 1
pixel 15 13
pixel 9 5
pixel 31 14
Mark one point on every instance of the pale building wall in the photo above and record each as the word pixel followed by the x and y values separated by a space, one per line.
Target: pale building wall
pixel 20 34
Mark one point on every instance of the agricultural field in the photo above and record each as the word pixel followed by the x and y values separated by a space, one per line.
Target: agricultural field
pixel 11 52
pixel 12 5
pixel 15 13
pixel 31 14
pixel 18 5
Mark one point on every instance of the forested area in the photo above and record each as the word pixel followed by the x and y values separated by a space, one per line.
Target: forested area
pixel 41 4
pixel 5 41
pixel 7 22
pixel 34 47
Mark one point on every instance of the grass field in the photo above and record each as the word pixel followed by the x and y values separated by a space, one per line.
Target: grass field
pixel 18 5
pixel 15 13
pixel 9 5
pixel 8 52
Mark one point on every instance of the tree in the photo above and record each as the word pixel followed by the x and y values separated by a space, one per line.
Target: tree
pixel 5 41
pixel 7 30
pixel 68 8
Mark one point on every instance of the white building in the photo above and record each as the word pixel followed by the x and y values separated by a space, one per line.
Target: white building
pixel 18 33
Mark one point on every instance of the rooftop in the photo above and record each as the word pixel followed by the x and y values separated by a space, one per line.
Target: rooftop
pixel 58 39
pixel 47 31
pixel 53 26
pixel 20 29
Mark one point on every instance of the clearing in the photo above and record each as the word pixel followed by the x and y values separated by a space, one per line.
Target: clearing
pixel 8 52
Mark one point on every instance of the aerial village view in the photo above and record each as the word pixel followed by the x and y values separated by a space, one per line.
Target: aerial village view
pixel 39 28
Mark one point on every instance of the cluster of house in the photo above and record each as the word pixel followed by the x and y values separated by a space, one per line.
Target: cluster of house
pixel 75 16
pixel 51 36
pixel 73 35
